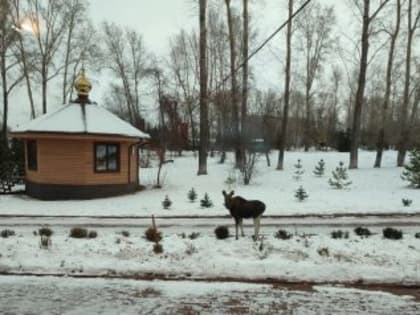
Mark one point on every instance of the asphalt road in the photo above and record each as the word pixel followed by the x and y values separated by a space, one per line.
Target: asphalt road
pixel 310 224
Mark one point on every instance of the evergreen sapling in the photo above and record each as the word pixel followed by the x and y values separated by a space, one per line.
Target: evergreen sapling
pixel 339 178
pixel 192 195
pixel 411 171
pixel 319 168
pixel 298 170
pixel 206 202
pixel 301 194
pixel 166 203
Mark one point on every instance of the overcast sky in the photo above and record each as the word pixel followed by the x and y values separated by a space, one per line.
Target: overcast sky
pixel 159 20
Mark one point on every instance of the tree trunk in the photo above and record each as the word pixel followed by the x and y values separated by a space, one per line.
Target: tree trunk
pixel 244 80
pixel 234 87
pixel 66 60
pixel 307 123
pixel 44 82
pixel 405 129
pixel 5 96
pixel 27 78
pixel 385 107
pixel 204 128
pixel 3 71
pixel 360 88
pixel 283 134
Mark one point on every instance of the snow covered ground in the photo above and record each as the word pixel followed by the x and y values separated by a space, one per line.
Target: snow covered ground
pixel 317 258
pixel 49 295
pixel 372 191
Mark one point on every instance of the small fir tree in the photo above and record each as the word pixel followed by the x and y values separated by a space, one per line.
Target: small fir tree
pixel 301 194
pixel 319 168
pixel 206 202
pixel 166 203
pixel 411 171
pixel 339 178
pixel 298 170
pixel 192 195
pixel 230 181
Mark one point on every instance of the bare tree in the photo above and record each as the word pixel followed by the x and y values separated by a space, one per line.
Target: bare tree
pixel 182 57
pixel 245 48
pixel 234 84
pixel 49 26
pixel 404 140
pixel 10 76
pixel 314 25
pixel 358 104
pixel 27 60
pixel 388 83
pixel 204 125
pixel 126 57
pixel 80 45
pixel 283 134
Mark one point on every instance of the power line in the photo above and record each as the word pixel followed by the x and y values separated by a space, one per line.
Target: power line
pixel 265 42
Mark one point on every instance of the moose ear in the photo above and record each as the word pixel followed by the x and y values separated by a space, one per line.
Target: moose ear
pixel 232 193
pixel 224 193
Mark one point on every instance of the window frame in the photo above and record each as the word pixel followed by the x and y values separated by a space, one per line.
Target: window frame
pixel 32 155
pixel 107 160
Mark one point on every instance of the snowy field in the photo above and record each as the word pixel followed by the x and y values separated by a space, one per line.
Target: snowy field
pixel 372 190
pixel 48 295
pixel 317 258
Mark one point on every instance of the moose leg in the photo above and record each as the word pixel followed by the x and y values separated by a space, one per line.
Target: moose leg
pixel 256 227
pixel 236 227
pixel 241 222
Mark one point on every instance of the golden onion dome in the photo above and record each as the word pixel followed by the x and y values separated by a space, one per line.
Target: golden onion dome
pixel 82 84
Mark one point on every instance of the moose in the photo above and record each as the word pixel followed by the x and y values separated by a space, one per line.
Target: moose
pixel 241 208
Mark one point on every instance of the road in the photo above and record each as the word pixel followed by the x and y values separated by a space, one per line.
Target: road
pixel 306 224
pixel 51 295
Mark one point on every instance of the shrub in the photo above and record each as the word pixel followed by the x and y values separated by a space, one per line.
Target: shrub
pixel 194 235
pixel 249 166
pixel 191 249
pixel 166 203
pixel 392 234
pixel 282 235
pixel 153 235
pixel 324 251
pixel 339 234
pixel 6 233
pixel 406 202
pixel 92 234
pixel 417 235
pixel 125 233
pixel 192 195
pixel 45 241
pixel 363 232
pixel 78 232
pixel 222 232
pixel 45 231
pixel 157 248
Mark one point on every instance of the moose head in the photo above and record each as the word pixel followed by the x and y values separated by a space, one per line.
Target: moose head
pixel 228 198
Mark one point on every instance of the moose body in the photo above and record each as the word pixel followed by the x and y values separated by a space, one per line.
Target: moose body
pixel 241 208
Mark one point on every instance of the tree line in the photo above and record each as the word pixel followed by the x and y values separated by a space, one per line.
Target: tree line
pixel 363 92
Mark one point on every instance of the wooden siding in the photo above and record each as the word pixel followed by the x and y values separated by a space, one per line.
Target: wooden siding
pixel 71 162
